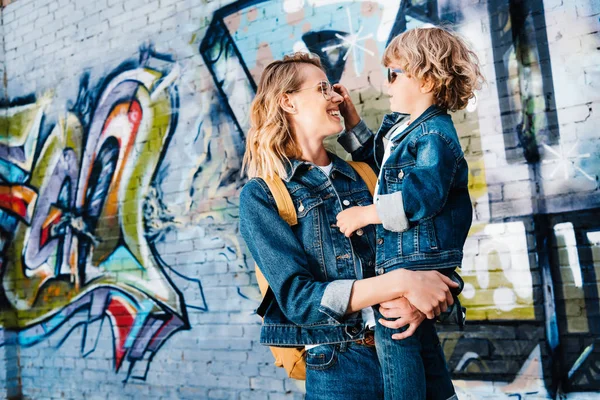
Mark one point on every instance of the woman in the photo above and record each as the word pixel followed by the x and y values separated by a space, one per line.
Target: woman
pixel 323 283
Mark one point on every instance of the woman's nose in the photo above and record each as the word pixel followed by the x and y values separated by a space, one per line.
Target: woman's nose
pixel 336 97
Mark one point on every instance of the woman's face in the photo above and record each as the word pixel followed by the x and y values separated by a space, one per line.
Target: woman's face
pixel 316 112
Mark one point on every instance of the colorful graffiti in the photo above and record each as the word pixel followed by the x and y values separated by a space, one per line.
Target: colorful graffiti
pixel 518 283
pixel 112 212
pixel 80 211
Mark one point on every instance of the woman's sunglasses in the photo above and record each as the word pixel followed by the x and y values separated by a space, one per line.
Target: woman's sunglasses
pixel 393 74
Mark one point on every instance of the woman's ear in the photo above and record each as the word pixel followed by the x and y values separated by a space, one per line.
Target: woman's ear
pixel 286 102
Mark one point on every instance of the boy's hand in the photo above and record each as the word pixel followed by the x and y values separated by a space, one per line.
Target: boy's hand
pixel 347 109
pixel 355 218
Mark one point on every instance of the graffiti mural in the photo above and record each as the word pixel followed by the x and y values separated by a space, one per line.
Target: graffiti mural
pixel 528 326
pixel 118 204
pixel 80 206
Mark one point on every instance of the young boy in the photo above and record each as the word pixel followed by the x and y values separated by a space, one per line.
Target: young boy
pixel 421 205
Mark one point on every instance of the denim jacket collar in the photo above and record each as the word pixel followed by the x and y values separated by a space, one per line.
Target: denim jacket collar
pixel 432 111
pixel 389 120
pixel 339 165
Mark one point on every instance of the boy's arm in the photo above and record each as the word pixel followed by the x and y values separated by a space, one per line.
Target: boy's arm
pixel 424 190
pixel 357 139
pixel 354 218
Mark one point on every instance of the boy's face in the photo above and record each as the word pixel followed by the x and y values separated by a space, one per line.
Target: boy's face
pixel 405 92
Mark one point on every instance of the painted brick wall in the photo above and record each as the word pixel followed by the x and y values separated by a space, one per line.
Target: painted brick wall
pixel 123 272
pixel 2 86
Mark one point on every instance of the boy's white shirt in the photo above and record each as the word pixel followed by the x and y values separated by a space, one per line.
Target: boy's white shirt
pixel 395 131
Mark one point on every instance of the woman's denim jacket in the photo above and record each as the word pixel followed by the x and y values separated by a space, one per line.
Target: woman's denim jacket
pixel 311 266
pixel 423 198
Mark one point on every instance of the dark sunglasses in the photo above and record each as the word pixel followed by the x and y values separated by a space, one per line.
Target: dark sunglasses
pixel 393 74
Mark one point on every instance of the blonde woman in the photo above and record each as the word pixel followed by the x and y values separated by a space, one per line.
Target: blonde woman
pixel 323 282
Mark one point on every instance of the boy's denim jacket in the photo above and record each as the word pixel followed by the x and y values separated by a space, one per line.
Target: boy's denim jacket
pixel 423 198
pixel 311 266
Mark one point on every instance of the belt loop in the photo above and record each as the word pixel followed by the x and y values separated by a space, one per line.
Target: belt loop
pixel 343 347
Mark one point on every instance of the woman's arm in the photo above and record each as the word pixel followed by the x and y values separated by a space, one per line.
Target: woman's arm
pixel 428 291
pixel 283 262
pixel 302 299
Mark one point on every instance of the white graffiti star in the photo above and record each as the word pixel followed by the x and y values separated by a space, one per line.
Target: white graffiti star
pixel 351 41
pixel 565 160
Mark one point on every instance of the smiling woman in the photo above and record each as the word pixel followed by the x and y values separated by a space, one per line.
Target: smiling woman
pixel 322 283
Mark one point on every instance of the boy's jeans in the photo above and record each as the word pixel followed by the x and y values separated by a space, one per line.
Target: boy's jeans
pixel 415 367
pixel 345 371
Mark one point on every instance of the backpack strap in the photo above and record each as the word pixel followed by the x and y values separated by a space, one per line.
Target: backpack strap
pixel 285 207
pixel 366 173
pixel 284 202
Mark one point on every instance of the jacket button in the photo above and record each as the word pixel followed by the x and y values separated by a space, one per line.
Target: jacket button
pixel 380 241
pixel 332 176
pixel 401 174
pixel 301 208
pixel 359 232
pixel 380 271
pixel 353 330
pixel 346 202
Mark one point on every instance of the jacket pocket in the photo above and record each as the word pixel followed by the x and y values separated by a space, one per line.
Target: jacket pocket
pixel 397 174
pixel 305 205
pixel 430 235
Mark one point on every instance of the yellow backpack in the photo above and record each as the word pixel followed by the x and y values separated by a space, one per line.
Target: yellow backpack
pixel 292 358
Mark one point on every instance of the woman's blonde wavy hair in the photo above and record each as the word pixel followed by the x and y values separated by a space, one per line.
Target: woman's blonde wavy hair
pixel 440 57
pixel 270 143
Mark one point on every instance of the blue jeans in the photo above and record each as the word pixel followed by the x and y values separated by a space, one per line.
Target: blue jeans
pixel 415 367
pixel 344 371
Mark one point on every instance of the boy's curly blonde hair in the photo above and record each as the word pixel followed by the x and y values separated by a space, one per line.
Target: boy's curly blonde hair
pixel 438 56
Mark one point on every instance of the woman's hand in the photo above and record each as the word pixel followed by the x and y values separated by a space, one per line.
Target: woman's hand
pixel 347 109
pixel 354 218
pixel 405 313
pixel 428 291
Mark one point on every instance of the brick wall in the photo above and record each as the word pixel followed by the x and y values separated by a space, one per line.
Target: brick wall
pixel 123 272
pixel 2 86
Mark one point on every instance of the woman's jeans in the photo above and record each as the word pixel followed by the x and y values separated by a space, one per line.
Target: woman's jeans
pixel 344 371
pixel 413 368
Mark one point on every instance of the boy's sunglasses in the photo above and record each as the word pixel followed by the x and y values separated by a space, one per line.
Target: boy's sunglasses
pixel 393 74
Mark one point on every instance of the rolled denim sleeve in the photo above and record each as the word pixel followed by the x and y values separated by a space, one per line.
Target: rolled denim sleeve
pixel 283 262
pixel 359 142
pixel 425 189
pixel 356 137
pixel 337 297
pixel 390 209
